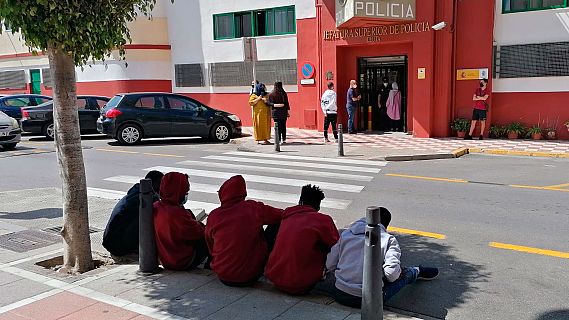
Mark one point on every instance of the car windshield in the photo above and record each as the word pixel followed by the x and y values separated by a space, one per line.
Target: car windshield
pixel 112 103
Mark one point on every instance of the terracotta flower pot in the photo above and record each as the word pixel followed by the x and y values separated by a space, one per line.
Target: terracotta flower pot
pixel 551 135
pixel 536 136
pixel 461 134
pixel 513 135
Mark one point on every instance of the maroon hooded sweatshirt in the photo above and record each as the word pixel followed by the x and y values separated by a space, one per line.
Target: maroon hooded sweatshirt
pixel 234 233
pixel 305 237
pixel 176 228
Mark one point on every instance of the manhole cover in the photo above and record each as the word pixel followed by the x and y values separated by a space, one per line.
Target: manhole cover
pixel 57 230
pixel 27 240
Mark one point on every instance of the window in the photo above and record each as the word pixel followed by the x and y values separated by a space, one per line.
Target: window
pixel 150 103
pixel 18 102
pixel 81 103
pixel 41 100
pixel 101 103
pixel 530 5
pixel 182 104
pixel 266 22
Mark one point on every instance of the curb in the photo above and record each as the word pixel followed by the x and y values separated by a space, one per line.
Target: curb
pixel 520 153
pixel 418 157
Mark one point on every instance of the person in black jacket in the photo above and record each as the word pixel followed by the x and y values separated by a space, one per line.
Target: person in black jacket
pixel 278 100
pixel 121 234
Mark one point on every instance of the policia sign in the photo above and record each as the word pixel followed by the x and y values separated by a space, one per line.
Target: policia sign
pixel 347 10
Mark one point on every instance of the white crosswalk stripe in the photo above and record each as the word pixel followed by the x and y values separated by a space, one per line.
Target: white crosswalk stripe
pixel 312 159
pixel 251 193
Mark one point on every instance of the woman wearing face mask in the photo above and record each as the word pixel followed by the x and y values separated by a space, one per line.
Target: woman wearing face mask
pixel 180 238
pixel 394 106
pixel 261 114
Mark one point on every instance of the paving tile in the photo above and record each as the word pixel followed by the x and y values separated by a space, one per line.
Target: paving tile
pixel 12 316
pixel 141 317
pixel 309 310
pixel 6 278
pixel 55 307
pixel 256 305
pixel 102 311
pixel 20 290
pixel 122 281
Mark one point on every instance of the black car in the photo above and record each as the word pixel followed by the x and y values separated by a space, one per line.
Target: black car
pixel 12 105
pixel 39 120
pixel 133 116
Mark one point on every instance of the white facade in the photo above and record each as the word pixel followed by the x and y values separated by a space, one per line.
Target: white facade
pixel 542 26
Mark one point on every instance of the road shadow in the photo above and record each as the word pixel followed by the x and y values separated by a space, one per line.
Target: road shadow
pixel 84 137
pixel 48 213
pixel 170 141
pixel 456 285
pixel 562 314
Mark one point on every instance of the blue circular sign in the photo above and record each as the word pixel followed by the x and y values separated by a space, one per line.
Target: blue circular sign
pixel 307 70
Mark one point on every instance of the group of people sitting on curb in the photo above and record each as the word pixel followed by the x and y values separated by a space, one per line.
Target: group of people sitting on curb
pixel 298 249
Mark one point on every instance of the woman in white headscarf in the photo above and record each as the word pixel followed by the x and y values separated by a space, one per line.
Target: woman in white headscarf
pixel 394 106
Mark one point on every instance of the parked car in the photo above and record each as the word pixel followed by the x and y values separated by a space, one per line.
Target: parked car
pixel 39 120
pixel 10 132
pixel 12 104
pixel 134 116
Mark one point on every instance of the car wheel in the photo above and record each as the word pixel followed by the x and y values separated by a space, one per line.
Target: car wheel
pixel 49 131
pixel 10 146
pixel 129 134
pixel 221 132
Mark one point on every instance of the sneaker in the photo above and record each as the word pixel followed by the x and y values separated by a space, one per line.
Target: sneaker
pixel 468 137
pixel 335 140
pixel 284 142
pixel 326 140
pixel 481 138
pixel 426 273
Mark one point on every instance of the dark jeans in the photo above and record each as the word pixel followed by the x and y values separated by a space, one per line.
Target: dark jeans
pixel 202 253
pixel 351 118
pixel 282 128
pixel 331 119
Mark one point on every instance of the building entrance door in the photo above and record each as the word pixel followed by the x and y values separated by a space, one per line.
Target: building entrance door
pixel 372 71
pixel 35 81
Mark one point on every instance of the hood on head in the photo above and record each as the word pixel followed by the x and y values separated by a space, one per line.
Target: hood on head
pixel 233 190
pixel 174 187
pixel 358 227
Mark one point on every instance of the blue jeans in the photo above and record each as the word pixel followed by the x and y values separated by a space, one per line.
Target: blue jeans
pixel 408 276
pixel 351 114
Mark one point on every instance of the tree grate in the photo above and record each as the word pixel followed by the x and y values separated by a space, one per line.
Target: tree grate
pixel 57 230
pixel 27 240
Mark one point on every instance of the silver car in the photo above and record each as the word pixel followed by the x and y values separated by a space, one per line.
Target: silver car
pixel 10 132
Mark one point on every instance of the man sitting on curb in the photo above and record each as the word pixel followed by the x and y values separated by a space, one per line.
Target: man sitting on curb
pixel 179 236
pixel 235 236
pixel 304 239
pixel 345 265
pixel 121 234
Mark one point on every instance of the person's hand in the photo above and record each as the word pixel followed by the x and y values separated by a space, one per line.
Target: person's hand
pixel 264 99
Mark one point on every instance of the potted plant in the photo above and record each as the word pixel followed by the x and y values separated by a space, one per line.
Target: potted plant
pixel 551 133
pixel 497 132
pixel 461 126
pixel 535 133
pixel 515 130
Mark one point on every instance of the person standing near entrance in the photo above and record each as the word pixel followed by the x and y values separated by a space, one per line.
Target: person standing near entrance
pixel 330 108
pixel 480 97
pixel 393 106
pixel 380 117
pixel 278 100
pixel 353 99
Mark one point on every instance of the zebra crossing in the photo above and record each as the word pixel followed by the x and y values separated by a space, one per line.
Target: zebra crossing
pixel 275 179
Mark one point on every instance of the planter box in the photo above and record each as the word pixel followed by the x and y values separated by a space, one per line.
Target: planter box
pixel 536 136
pixel 461 134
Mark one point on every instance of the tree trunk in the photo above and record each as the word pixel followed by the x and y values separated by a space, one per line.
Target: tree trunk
pixel 77 242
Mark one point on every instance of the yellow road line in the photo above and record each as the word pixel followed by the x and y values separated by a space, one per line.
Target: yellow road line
pixel 117 151
pixel 558 186
pixel 418 233
pixel 163 155
pixel 538 188
pixel 426 178
pixel 543 252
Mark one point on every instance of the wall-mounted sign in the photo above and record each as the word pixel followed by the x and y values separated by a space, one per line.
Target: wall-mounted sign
pixel 349 11
pixel 373 34
pixel 421 73
pixel 307 81
pixel 472 74
pixel 307 70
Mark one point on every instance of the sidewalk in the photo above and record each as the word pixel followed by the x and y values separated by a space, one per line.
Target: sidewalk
pixel 28 219
pixel 400 146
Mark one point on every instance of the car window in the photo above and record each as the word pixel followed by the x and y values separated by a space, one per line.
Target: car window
pixel 81 103
pixel 17 102
pixel 154 102
pixel 42 100
pixel 182 104
pixel 101 103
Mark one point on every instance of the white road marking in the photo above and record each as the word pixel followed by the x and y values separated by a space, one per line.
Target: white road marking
pixel 332 160
pixel 308 173
pixel 325 166
pixel 262 179
pixel 251 193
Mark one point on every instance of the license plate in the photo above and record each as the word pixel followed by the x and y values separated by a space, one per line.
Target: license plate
pixel 4 134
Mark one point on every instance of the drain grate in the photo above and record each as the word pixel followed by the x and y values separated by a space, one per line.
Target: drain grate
pixel 57 230
pixel 27 240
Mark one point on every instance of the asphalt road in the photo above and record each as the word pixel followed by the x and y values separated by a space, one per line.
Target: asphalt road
pixel 475 217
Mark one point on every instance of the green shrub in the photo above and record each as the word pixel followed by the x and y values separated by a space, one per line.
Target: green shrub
pixel 516 127
pixel 460 125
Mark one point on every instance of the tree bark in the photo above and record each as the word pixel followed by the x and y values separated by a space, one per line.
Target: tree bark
pixel 77 242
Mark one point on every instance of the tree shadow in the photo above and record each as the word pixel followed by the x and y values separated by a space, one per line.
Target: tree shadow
pixel 457 282
pixel 47 213
pixel 562 314
pixel 170 141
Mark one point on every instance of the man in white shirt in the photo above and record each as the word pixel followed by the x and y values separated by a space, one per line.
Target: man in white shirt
pixel 330 109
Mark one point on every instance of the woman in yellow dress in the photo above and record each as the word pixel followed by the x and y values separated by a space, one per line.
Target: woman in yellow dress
pixel 261 114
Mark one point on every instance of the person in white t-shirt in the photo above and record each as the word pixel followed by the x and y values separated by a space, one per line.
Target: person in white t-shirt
pixel 330 108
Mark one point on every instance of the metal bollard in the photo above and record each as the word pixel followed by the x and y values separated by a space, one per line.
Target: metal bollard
pixel 147 253
pixel 372 298
pixel 277 138
pixel 340 141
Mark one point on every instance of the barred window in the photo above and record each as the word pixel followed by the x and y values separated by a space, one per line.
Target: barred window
pixel 13 79
pixel 532 60
pixel 189 75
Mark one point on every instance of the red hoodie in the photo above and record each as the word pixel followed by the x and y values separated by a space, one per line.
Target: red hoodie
pixel 305 237
pixel 176 228
pixel 234 233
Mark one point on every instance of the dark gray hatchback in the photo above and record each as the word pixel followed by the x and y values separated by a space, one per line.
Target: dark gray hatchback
pixel 131 117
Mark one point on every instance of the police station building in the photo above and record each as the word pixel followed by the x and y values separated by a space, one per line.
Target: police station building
pixel 436 50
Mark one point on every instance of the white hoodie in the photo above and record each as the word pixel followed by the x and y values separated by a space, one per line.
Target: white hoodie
pixel 346 258
pixel 328 103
